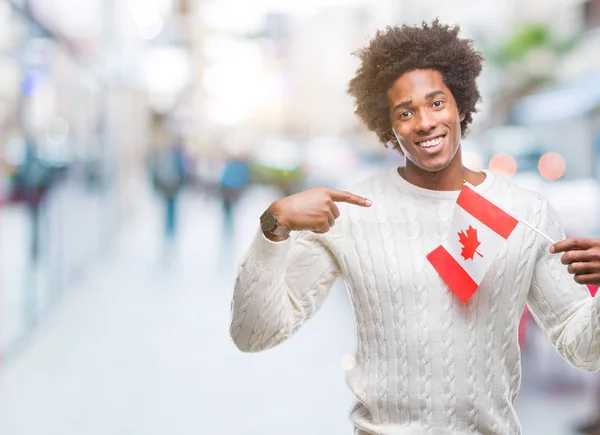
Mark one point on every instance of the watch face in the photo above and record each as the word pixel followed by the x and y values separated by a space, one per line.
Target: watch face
pixel 268 221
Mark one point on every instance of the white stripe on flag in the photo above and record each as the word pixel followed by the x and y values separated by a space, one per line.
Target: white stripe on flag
pixel 490 244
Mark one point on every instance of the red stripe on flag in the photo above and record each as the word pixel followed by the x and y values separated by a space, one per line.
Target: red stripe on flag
pixel 452 273
pixel 486 212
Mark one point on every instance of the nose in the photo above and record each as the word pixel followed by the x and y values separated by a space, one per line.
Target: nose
pixel 425 121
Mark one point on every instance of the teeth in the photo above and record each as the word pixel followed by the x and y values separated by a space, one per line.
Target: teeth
pixel 431 143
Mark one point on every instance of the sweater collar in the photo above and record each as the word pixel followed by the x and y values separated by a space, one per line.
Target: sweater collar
pixel 405 186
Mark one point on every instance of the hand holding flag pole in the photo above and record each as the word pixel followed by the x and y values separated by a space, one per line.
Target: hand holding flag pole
pixel 478 227
pixel 520 220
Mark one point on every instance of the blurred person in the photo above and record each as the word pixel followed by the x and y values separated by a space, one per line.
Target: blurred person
pixel 425 362
pixel 167 168
pixel 234 180
pixel 32 181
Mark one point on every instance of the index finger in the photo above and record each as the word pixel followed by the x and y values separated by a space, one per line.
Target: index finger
pixel 349 197
pixel 573 244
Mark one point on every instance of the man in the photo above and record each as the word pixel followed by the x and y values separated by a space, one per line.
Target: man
pixel 425 361
pixel 168 175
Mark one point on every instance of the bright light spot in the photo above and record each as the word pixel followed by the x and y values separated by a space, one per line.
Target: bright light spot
pixel 348 362
pixel 5 15
pixel 233 97
pixel 57 131
pixel 329 156
pixel 504 164
pixel 233 16
pixel 472 160
pixel 223 77
pixel 149 23
pixel 279 154
pixel 148 17
pixel 163 7
pixel 552 166
pixel 166 70
pixel 219 46
pixel 222 112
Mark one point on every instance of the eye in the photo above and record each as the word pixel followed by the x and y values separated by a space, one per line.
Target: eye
pixel 438 104
pixel 404 115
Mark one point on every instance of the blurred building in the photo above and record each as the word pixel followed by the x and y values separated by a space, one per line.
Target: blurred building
pixel 80 84
pixel 564 117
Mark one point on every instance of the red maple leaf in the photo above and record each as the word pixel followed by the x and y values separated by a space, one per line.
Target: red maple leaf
pixel 470 243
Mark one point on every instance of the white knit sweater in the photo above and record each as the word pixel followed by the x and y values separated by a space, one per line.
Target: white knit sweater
pixel 426 363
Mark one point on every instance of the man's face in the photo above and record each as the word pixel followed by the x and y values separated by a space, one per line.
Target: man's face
pixel 425 119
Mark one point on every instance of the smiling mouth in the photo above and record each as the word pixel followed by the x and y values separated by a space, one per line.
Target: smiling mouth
pixel 431 143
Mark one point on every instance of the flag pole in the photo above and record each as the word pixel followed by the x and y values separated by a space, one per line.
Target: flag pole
pixel 537 231
pixel 520 220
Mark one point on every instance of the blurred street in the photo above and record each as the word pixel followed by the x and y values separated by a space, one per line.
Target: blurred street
pixel 141 347
pixel 140 141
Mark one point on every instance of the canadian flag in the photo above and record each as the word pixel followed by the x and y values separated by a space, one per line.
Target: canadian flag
pixel 477 234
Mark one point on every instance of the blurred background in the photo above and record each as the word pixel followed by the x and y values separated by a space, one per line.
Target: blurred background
pixel 140 140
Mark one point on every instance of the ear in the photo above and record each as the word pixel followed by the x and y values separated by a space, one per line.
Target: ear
pixel 462 116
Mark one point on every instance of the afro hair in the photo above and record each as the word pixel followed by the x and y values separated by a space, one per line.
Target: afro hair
pixel 398 50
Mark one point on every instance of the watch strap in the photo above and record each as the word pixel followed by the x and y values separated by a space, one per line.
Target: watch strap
pixel 280 231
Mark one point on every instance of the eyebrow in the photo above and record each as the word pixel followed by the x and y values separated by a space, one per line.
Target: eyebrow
pixel 408 103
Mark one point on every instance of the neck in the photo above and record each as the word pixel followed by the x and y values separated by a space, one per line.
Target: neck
pixel 449 178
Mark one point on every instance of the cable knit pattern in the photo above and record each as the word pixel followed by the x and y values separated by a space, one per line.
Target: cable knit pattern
pixel 422 312
pixel 448 341
pixel 510 337
pixel 500 278
pixel 426 363
pixel 516 308
pixel 471 354
pixel 369 303
pixel 399 315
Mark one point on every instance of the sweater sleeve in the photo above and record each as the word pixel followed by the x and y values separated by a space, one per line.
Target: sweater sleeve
pixel 565 310
pixel 279 286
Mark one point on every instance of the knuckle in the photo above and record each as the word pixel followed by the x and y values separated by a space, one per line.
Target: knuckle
pixel 572 242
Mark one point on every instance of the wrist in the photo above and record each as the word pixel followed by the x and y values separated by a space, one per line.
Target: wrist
pixel 273 237
pixel 275 208
pixel 271 224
